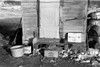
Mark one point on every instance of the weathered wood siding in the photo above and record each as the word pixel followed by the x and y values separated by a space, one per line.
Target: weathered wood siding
pixel 49 18
pixel 29 18
pixel 73 16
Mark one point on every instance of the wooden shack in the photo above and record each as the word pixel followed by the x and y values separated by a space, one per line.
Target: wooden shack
pixel 52 19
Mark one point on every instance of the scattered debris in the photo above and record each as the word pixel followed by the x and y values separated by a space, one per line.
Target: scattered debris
pixel 92 56
pixel 93 52
pixel 85 61
pixel 52 61
pixel 21 66
pixel 95 63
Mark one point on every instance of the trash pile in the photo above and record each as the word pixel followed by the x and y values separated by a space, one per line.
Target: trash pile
pixel 91 56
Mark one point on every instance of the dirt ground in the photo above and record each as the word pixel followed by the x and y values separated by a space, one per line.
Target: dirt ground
pixel 6 60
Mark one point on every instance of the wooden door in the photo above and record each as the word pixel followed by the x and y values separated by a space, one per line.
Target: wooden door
pixel 49 18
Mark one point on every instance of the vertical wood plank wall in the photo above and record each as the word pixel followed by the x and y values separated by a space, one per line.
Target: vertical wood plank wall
pixel 73 16
pixel 29 18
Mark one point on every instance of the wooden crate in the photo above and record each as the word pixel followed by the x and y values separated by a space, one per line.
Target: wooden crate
pixel 51 53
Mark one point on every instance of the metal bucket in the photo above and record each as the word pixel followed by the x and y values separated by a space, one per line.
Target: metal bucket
pixel 17 51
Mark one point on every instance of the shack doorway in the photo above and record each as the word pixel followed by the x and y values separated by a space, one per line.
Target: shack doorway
pixel 49 18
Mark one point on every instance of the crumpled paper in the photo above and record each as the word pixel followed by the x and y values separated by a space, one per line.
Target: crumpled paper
pixel 93 52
